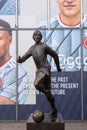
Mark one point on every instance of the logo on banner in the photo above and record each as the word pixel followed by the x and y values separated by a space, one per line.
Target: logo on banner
pixel 85 42
pixel 0 82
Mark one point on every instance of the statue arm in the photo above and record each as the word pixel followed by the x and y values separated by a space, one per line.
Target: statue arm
pixel 24 57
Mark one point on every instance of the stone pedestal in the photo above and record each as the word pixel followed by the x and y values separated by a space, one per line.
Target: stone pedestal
pixel 47 124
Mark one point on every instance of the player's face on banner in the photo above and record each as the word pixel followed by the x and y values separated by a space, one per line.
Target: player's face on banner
pixel 69 7
pixel 5 41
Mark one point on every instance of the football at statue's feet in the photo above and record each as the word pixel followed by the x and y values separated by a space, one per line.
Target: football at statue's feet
pixel 38 116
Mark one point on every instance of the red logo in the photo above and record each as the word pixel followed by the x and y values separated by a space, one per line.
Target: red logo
pixel 0 82
pixel 85 42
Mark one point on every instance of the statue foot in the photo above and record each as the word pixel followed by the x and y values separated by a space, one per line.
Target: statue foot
pixel 53 113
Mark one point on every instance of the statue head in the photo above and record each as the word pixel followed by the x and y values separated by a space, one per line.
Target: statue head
pixel 37 36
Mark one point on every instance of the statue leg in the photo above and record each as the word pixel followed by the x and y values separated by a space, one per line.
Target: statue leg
pixel 39 82
pixel 51 100
pixel 42 83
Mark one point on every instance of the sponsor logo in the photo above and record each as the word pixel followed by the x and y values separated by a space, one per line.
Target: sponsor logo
pixel 85 42
pixel 70 62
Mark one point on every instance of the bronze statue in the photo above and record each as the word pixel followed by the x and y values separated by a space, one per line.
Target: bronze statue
pixel 39 52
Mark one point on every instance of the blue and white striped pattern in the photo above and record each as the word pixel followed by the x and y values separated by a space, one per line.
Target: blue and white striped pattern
pixel 9 78
pixel 67 43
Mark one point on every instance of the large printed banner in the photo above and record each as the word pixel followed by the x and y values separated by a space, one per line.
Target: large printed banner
pixel 66 88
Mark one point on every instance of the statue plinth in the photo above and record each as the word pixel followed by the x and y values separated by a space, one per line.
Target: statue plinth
pixel 47 124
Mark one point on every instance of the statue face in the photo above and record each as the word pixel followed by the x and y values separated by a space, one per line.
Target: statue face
pixel 37 36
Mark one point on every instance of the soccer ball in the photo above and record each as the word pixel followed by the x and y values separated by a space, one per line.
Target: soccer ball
pixel 38 116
